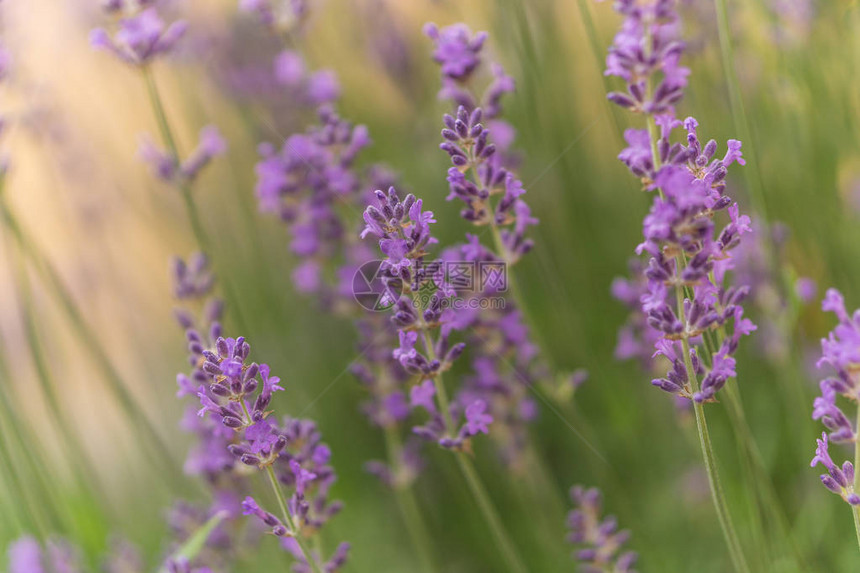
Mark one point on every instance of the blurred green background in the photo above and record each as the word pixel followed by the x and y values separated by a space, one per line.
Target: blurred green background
pixel 77 186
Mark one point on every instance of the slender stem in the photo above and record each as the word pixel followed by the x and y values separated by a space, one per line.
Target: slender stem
pixel 855 509
pixel 735 550
pixel 294 529
pixel 439 384
pixel 186 191
pixel 170 141
pixel 474 482
pixel 503 541
pixel 408 504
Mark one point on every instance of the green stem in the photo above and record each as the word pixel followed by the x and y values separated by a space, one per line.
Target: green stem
pixel 438 383
pixel 717 495
pixel 295 531
pixel 186 191
pixel 170 141
pixel 490 514
pixel 408 504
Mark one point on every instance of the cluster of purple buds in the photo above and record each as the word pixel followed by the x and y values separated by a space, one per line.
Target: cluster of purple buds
pixel 193 284
pixel 481 162
pixel 840 351
pixel 238 395
pixel 600 541
pixel 141 36
pixel 646 53
pixel 169 169
pixel 305 183
pixel 458 53
pixel 402 229
pixel 688 253
pixel 467 143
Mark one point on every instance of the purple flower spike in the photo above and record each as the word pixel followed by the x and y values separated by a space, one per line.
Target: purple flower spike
pixel 483 177
pixel 839 352
pixel 598 539
pixel 457 50
pixel 140 38
pixel 646 54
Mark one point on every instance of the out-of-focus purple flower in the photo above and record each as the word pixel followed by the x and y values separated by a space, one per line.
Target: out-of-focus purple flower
pixel 304 184
pixel 289 68
pixel 838 480
pixel 140 38
pixel 167 168
pixel 600 543
pixel 806 289
pixel 57 556
pixel 25 556
pixel 457 50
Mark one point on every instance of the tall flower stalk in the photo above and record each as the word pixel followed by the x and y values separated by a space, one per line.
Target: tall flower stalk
pixel 418 289
pixel 315 185
pixel 687 255
pixel 142 38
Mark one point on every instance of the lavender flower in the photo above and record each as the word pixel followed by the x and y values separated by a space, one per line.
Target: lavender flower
pixel 840 351
pixel 167 168
pixel 686 252
pixel 689 255
pixel 402 228
pixel 646 54
pixel 478 142
pixel 304 183
pixel 599 540
pixel 237 395
pixel 307 184
pixel 141 37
